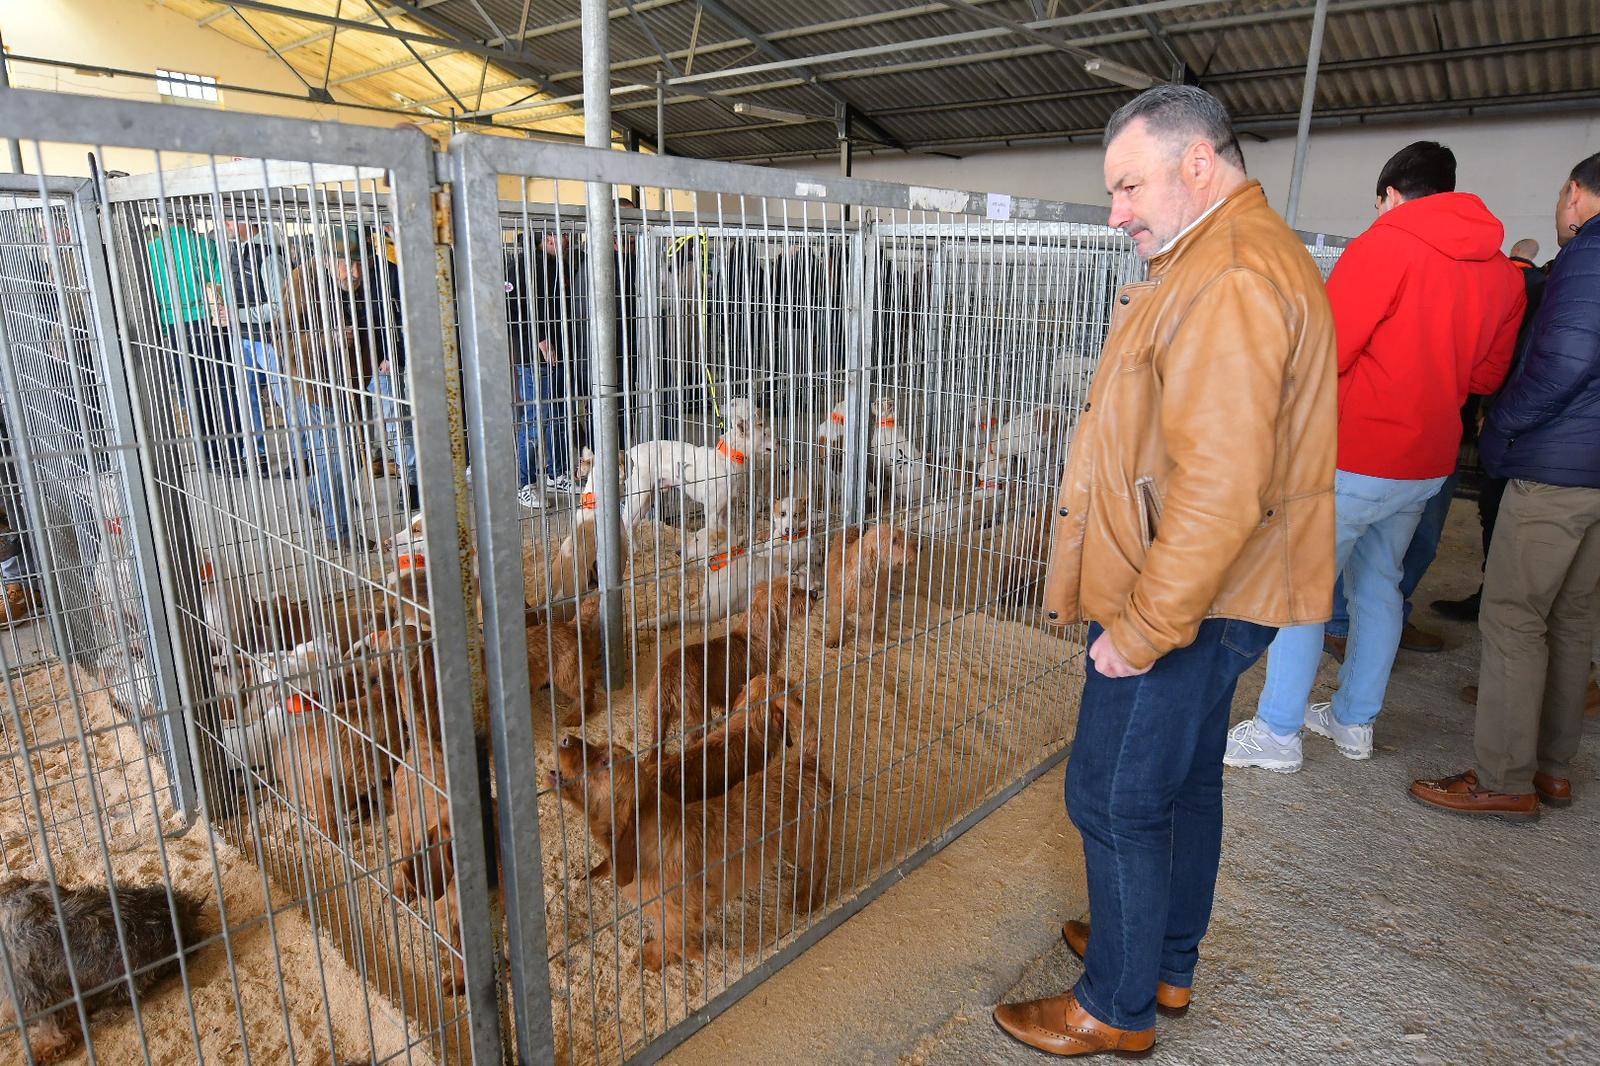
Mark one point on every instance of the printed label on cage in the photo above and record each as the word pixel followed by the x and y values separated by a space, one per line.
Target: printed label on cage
pixel 1322 239
pixel 999 207
pixel 806 188
pixel 952 201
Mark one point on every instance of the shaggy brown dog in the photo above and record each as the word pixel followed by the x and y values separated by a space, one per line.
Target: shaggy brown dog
pixel 691 831
pixel 695 678
pixel 860 565
pixel 34 977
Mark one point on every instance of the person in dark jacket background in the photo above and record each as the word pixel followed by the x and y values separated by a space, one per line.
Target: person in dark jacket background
pixel 1493 488
pixel 1543 434
pixel 1427 310
pixel 546 336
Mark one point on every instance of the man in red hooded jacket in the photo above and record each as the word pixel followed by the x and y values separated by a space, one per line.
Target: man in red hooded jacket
pixel 1426 309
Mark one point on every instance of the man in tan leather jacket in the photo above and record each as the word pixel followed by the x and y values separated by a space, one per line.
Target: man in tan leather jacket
pixel 1195 518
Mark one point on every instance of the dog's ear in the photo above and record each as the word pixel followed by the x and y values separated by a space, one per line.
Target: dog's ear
pixel 787 714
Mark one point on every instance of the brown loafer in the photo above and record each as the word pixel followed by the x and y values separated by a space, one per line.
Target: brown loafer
pixel 1334 646
pixel 1171 1000
pixel 1554 791
pixel 1414 639
pixel 1060 1026
pixel 1460 794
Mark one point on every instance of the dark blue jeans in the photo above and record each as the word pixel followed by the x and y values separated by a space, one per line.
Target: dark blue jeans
pixel 1144 788
pixel 1419 556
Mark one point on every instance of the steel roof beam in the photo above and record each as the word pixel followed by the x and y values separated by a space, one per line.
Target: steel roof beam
pixel 1413 111
pixel 858 114
pixel 1340 66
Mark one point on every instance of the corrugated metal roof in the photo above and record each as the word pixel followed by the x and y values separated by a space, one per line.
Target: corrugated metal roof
pixel 1379 56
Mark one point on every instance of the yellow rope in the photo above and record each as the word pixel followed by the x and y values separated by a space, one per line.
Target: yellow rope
pixel 705 284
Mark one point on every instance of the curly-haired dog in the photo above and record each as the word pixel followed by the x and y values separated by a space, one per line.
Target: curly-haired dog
pixel 691 831
pixel 34 973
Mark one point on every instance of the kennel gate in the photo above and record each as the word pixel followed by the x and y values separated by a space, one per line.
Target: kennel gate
pixel 751 283
pixel 287 929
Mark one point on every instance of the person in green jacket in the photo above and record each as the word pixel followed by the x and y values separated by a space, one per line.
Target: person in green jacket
pixel 183 266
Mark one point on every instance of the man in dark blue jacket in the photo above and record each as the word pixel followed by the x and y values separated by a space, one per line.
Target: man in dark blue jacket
pixel 1544 563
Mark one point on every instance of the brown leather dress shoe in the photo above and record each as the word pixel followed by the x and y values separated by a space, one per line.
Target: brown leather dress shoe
pixel 1060 1026
pixel 1554 791
pixel 1460 794
pixel 1171 1000
pixel 1414 639
pixel 1334 646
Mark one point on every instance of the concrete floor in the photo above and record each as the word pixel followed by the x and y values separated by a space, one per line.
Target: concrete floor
pixel 1352 925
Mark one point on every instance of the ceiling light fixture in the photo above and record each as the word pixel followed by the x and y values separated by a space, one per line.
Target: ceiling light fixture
pixel 777 114
pixel 1113 71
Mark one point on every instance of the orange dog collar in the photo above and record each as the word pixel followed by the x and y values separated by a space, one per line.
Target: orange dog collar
pixel 735 457
pixel 298 704
pixel 719 562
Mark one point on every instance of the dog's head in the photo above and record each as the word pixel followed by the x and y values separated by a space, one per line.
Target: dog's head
pixel 586 463
pixel 584 778
pixel 789 515
pixel 747 431
pixel 408 538
pixel 583 773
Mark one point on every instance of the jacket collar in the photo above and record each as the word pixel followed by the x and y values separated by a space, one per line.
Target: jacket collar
pixel 1245 198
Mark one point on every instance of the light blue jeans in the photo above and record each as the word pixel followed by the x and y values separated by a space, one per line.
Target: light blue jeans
pixel 396 426
pixel 320 443
pixel 1375 520
pixel 261 368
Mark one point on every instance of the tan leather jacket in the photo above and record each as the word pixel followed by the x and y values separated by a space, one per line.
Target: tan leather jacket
pixel 1200 479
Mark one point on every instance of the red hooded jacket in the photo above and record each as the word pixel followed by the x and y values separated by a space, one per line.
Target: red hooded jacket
pixel 1426 309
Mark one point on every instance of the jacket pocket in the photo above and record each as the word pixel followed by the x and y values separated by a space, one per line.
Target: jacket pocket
pixel 1149 504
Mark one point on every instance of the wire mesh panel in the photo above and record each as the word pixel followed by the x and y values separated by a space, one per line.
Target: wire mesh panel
pixel 811 558
pixel 281 378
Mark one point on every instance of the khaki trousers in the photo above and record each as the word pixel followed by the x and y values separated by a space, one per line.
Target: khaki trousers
pixel 1537 625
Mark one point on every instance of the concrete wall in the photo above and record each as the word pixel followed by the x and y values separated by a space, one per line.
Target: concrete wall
pixel 1516 165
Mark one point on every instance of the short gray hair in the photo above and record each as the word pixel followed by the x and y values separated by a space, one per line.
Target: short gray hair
pixel 1172 111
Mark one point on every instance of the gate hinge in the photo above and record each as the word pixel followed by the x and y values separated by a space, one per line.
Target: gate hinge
pixel 441 216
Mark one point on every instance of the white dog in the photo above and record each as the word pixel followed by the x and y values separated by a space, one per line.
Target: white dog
pixel 897 457
pixel 705 475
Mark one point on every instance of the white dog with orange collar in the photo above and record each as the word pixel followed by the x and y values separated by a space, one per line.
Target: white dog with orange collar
pixel 706 475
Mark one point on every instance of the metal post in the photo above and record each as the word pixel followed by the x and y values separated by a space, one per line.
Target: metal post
pixel 661 112
pixel 489 423
pixel 604 387
pixel 13 146
pixel 1303 133
pixel 120 390
pixel 860 331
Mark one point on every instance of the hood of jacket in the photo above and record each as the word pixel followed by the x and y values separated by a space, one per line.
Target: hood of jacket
pixel 1455 224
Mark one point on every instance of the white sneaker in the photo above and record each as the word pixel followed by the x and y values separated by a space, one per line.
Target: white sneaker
pixel 563 484
pixel 1353 741
pixel 1252 744
pixel 531 497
